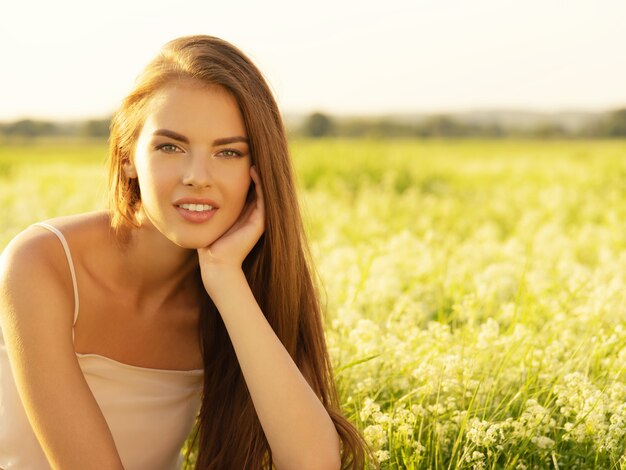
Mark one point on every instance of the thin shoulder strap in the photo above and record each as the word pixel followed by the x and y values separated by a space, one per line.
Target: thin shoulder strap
pixel 68 255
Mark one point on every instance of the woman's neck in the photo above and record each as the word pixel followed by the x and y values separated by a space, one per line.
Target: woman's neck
pixel 154 271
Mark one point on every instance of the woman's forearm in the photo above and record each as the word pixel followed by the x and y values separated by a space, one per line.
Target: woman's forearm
pixel 298 428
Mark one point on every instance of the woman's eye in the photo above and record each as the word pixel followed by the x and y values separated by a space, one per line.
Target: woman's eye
pixel 228 153
pixel 168 148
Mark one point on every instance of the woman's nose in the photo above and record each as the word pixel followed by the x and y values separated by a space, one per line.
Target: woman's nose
pixel 197 171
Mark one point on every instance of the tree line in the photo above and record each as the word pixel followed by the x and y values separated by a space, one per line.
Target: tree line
pixel 30 128
pixel 609 125
pixel 318 124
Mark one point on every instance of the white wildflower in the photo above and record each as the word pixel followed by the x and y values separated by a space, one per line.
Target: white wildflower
pixel 375 436
pixel 369 408
pixel 543 442
pixel 382 455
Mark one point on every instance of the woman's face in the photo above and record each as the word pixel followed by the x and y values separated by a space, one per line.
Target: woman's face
pixel 192 161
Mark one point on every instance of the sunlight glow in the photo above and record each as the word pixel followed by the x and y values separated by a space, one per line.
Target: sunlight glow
pixel 75 59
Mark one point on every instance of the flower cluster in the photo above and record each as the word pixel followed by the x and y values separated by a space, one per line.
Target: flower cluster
pixel 476 316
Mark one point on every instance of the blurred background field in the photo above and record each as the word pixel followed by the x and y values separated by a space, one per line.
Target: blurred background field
pixel 475 290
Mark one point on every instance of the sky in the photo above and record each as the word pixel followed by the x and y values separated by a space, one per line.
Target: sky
pixel 68 59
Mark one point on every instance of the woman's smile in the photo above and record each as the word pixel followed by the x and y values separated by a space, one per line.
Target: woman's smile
pixel 196 204
pixel 197 211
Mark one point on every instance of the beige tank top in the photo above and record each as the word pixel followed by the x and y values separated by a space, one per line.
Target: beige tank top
pixel 150 412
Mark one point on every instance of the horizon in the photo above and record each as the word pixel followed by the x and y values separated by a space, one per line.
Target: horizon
pixel 399 114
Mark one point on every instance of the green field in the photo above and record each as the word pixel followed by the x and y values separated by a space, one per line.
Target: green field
pixel 475 290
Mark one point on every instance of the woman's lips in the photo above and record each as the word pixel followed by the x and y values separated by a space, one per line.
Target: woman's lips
pixel 196 216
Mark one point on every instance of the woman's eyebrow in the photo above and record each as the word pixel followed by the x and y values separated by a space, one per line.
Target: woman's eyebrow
pixel 171 135
pixel 230 140
pixel 182 138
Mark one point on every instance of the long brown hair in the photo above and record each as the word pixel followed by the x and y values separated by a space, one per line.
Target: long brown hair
pixel 228 433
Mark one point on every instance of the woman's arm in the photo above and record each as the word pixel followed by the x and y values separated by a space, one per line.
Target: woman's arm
pixel 297 426
pixel 36 316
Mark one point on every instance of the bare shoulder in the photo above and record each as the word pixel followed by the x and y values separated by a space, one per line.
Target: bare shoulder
pixel 38 247
pixel 38 250
pixel 80 227
pixel 31 251
pixel 31 272
pixel 34 267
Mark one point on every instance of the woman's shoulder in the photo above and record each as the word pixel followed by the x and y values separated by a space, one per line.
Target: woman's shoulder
pixel 77 225
pixel 37 247
pixel 33 274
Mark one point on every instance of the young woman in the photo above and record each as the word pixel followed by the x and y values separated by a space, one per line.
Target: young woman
pixel 192 296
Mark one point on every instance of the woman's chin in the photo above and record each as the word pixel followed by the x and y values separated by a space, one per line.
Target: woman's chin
pixel 191 243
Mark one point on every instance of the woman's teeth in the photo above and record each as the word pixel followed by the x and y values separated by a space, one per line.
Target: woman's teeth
pixel 196 207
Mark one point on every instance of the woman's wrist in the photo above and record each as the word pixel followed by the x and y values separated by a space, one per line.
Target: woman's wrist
pixel 221 280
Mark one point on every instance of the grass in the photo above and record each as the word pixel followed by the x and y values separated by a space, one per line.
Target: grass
pixel 475 290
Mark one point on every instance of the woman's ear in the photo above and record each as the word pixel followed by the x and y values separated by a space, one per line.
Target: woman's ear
pixel 129 169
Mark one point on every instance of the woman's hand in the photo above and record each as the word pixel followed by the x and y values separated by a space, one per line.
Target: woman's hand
pixel 229 250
